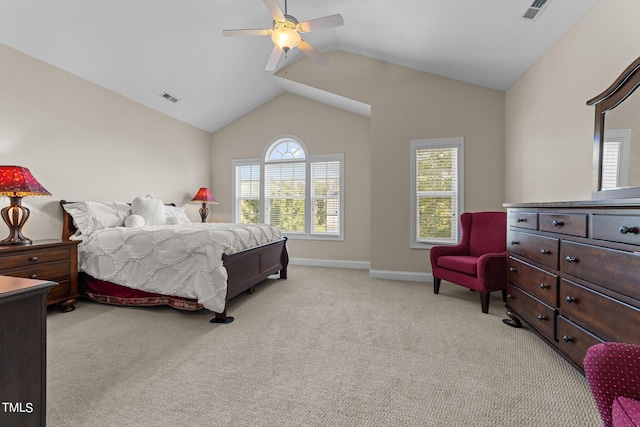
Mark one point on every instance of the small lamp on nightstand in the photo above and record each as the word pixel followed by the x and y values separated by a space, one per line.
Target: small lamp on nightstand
pixel 204 195
pixel 17 182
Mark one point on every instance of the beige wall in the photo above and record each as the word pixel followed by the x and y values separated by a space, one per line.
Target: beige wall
pixel 324 130
pixel 83 142
pixel 549 127
pixel 405 104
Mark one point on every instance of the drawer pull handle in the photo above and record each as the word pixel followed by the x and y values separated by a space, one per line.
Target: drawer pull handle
pixel 33 259
pixel 557 223
pixel 570 299
pixel 34 276
pixel 521 219
pixel 572 259
pixel 545 252
pixel 544 286
pixel 567 338
pixel 513 269
pixel 510 296
pixel 627 230
pixel 541 317
pixel 515 242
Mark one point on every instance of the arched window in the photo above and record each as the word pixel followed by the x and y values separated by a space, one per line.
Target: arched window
pixel 291 189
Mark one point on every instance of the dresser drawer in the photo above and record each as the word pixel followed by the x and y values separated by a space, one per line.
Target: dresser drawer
pixel 533 311
pixel 585 307
pixel 54 272
pixel 575 341
pixel 527 220
pixel 609 268
pixel 535 281
pixel 540 249
pixel 572 224
pixel 617 228
pixel 32 258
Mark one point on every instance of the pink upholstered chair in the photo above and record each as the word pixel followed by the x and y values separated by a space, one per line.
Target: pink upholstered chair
pixel 479 261
pixel 613 373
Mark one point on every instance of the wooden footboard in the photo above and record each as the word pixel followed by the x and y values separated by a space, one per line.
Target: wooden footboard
pixel 248 268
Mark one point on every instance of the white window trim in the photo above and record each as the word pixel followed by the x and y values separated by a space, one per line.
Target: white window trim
pixel 416 144
pixel 308 234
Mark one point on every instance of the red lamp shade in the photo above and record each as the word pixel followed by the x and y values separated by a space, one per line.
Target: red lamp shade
pixel 17 182
pixel 204 195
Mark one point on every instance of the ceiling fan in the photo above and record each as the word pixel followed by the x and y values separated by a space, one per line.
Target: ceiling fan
pixel 286 33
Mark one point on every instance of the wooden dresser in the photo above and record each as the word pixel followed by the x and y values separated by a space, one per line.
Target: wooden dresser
pixel 54 260
pixel 574 273
pixel 23 358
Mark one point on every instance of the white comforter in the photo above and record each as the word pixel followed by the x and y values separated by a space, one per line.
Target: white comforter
pixel 182 260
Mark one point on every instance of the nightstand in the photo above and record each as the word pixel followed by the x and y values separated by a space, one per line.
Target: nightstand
pixel 23 360
pixel 53 260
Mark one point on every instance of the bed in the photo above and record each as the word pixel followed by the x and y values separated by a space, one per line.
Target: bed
pixel 204 264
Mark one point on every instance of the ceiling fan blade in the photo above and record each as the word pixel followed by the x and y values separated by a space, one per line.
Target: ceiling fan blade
pixel 274 9
pixel 312 53
pixel 248 32
pixel 320 23
pixel 272 63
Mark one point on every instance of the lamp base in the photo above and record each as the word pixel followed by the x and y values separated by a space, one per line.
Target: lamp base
pixel 204 212
pixel 15 215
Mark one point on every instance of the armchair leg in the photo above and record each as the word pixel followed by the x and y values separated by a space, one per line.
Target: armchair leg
pixel 436 285
pixel 484 301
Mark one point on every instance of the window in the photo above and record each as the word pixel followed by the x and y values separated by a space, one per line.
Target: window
pixel 436 191
pixel 615 158
pixel 299 193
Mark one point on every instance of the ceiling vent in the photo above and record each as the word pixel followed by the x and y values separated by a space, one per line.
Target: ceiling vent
pixel 170 97
pixel 533 12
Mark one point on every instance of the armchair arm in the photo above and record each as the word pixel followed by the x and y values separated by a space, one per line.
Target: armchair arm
pixel 492 270
pixel 612 370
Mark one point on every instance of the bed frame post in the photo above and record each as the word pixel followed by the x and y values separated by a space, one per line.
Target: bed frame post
pixel 222 317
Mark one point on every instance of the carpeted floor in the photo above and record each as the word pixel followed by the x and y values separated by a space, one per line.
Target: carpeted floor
pixel 327 347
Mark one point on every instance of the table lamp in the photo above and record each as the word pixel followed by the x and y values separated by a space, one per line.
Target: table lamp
pixel 17 182
pixel 204 195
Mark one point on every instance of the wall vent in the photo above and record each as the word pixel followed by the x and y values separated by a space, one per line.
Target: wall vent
pixel 533 12
pixel 170 97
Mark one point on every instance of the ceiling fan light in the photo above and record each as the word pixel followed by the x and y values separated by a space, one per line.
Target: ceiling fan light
pixel 285 38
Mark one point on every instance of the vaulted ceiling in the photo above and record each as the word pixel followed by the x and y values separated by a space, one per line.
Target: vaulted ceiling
pixel 143 48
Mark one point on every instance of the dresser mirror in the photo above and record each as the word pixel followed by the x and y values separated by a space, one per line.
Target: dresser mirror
pixel 616 144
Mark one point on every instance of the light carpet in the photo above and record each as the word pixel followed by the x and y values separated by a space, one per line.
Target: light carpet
pixel 327 347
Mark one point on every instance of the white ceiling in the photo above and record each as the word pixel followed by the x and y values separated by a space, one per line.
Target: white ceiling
pixel 142 48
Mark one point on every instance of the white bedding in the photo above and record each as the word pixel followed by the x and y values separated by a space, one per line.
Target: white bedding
pixel 181 260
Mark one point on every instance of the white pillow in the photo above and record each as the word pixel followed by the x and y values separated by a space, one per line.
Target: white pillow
pixel 149 208
pixel 177 213
pixel 91 216
pixel 134 221
pixel 171 220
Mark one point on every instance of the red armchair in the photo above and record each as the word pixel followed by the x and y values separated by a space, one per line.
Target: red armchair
pixel 613 374
pixel 479 261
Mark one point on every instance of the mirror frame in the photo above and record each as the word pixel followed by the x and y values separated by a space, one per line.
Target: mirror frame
pixel 615 94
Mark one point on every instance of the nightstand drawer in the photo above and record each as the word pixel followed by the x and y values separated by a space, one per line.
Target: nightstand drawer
pixel 60 290
pixel 54 272
pixel 29 258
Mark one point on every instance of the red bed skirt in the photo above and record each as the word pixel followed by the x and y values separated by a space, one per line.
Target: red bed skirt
pixel 110 293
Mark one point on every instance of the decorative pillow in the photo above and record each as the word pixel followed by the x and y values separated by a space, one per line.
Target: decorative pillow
pixel 149 208
pixel 91 216
pixel 171 220
pixel 134 221
pixel 177 213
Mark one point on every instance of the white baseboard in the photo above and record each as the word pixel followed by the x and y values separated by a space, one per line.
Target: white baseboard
pixel 364 265
pixel 409 276
pixel 335 263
